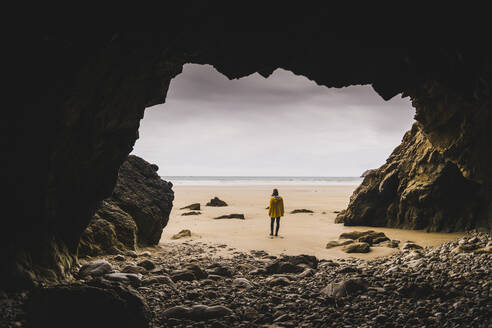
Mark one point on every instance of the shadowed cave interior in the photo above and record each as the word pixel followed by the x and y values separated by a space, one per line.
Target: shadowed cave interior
pixel 70 134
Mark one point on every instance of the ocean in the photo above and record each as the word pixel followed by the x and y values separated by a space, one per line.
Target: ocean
pixel 261 180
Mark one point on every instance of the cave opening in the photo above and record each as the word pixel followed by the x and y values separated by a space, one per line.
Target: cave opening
pixel 239 139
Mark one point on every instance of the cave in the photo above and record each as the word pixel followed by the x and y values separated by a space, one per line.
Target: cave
pixel 80 97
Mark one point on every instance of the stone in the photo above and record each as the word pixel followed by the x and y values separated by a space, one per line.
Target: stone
pixel 135 214
pixel 354 235
pixel 134 269
pixel 357 248
pixel 220 271
pixel 197 312
pixel 192 207
pixel 197 271
pixel 230 216
pixel 302 210
pixel 345 288
pixel 409 246
pixel 145 253
pixel 134 278
pixel 191 213
pixel 216 202
pixel 119 258
pixel 279 281
pixel 242 282
pixel 183 275
pixel 335 243
pixel 182 234
pixel 87 306
pixel 147 264
pixel 158 279
pixel 95 268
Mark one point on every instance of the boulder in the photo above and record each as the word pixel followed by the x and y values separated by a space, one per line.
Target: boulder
pixel 147 264
pixel 357 248
pixel 335 243
pixel 158 279
pixel 279 281
pixel 196 313
pixel 242 282
pixel 230 216
pixel 96 268
pixel 197 271
pixel 182 234
pixel 183 275
pixel 216 202
pixel 128 278
pixel 82 306
pixel 192 207
pixel 135 214
pixel 345 288
pixel 133 269
pixel 410 246
pixel 303 210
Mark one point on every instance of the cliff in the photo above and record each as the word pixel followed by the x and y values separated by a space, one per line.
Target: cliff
pixel 417 188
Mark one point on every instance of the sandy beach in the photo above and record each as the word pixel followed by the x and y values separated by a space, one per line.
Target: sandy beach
pixel 301 233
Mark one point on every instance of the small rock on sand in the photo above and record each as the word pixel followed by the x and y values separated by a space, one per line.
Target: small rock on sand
pixel 182 234
pixel 191 213
pixel 96 268
pixel 216 202
pixel 230 216
pixel 193 207
pixel 357 248
pixel 302 210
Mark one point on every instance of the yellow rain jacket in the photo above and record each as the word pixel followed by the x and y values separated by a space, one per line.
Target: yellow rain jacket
pixel 276 208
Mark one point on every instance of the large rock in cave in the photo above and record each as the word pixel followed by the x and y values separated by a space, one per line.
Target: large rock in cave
pixel 80 98
pixel 135 214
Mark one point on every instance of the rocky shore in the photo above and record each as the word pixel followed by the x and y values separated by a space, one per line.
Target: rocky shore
pixel 200 285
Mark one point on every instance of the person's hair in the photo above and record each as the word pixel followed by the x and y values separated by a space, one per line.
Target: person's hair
pixel 275 192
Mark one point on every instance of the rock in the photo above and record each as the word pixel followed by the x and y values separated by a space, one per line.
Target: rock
pixel 134 278
pixel 219 270
pixel 131 254
pixel 308 272
pixel 147 264
pixel 409 246
pixel 216 202
pixel 134 269
pixel 135 214
pixel 110 231
pixel 119 258
pixel 417 188
pixel 345 288
pixel 196 312
pixel 242 282
pixel 182 234
pixel 303 210
pixel 390 243
pixel 158 279
pixel 183 275
pixel 192 207
pixel 357 248
pixel 369 236
pixel 279 281
pixel 146 254
pixel 191 213
pixel 80 306
pixel 197 271
pixel 95 268
pixel 335 243
pixel 367 172
pixel 230 216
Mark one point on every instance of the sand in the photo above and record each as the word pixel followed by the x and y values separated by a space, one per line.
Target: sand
pixel 299 233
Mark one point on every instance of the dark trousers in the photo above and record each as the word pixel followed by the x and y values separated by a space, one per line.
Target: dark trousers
pixel 271 225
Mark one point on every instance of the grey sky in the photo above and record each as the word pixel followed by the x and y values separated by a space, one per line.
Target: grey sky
pixel 285 125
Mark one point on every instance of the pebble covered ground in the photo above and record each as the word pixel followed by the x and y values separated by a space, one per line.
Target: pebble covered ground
pixel 199 285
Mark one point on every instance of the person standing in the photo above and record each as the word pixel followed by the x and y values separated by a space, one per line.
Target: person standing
pixel 275 211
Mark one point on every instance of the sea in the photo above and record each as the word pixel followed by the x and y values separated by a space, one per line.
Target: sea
pixel 261 180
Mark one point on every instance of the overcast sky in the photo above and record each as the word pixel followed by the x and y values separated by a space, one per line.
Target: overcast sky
pixel 285 125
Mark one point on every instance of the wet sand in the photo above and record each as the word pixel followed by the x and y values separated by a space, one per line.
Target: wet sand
pixel 299 233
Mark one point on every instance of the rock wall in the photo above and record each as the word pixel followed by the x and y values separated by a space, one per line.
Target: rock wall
pixel 417 188
pixel 135 214
pixel 79 97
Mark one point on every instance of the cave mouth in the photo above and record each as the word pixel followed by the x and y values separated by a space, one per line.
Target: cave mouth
pixel 282 125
